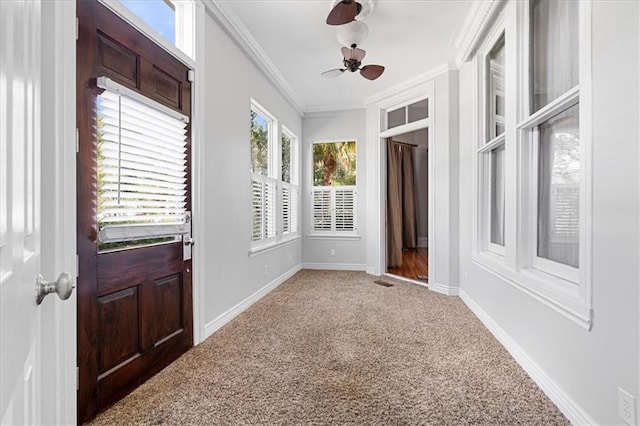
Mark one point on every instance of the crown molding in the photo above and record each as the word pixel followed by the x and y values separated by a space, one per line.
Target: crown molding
pixel 407 85
pixel 332 108
pixel 479 17
pixel 234 27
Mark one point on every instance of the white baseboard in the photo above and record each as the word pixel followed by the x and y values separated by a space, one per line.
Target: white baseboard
pixel 335 266
pixel 423 242
pixel 444 289
pixel 574 412
pixel 216 324
pixel 371 271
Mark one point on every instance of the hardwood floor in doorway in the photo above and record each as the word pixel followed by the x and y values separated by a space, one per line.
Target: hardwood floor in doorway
pixel 414 264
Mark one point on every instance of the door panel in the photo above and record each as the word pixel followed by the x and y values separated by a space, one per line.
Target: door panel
pixel 134 304
pixel 20 317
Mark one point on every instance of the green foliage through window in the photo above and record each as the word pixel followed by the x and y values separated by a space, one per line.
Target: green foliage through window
pixel 334 164
pixel 259 144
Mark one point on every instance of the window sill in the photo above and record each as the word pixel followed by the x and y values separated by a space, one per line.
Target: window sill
pixel 334 236
pixel 255 251
pixel 560 295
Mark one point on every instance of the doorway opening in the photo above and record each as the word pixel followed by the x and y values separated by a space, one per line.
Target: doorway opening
pixel 407 224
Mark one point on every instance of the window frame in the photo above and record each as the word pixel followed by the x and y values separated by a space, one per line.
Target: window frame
pixel 333 232
pixel 184 48
pixel 569 293
pixel 486 144
pixel 293 185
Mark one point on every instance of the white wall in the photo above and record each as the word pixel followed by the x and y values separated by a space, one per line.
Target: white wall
pixel 332 127
pixel 231 81
pixel 586 367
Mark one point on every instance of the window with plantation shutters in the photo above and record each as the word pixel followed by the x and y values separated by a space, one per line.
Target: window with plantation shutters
pixel 290 195
pixel 263 213
pixel 334 188
pixel 142 174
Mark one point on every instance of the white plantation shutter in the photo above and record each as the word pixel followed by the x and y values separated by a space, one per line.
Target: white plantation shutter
pixel 290 196
pixel 142 164
pixel 334 209
pixel 263 212
pixel 344 209
pixel 321 210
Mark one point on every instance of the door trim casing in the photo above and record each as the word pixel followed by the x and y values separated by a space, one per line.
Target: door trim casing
pixel 58 208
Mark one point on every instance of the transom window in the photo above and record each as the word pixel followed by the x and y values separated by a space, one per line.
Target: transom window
pixel 334 187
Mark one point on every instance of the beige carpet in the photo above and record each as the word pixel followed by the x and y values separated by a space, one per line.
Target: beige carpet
pixel 336 348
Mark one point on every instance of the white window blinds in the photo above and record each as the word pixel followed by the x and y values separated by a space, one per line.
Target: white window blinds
pixel 142 162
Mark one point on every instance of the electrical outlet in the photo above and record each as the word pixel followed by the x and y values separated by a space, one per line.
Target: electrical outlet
pixel 333 252
pixel 626 407
pixel 266 269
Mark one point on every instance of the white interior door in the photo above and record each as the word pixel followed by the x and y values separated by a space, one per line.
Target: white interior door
pixel 37 342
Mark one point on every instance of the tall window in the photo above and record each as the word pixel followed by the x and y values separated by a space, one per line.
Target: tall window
pixel 289 182
pixel 263 182
pixel 554 133
pixel 334 187
pixel 275 192
pixel 492 148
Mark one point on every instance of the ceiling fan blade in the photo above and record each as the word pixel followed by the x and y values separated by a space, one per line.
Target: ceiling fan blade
pixel 343 13
pixel 371 72
pixel 333 73
pixel 353 53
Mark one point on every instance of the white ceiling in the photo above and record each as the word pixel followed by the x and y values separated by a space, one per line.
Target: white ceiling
pixel 410 38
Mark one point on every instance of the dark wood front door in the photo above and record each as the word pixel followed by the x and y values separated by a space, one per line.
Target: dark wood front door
pixel 134 304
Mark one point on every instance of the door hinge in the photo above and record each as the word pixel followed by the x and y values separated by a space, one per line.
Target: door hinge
pixel 191 75
pixel 77 28
pixel 77 378
pixel 77 140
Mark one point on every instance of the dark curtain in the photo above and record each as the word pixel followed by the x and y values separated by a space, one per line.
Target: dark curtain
pixel 402 229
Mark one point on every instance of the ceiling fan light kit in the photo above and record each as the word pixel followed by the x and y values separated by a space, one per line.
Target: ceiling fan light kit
pixel 352 32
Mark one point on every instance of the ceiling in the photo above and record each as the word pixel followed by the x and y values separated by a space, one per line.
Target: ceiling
pixel 410 38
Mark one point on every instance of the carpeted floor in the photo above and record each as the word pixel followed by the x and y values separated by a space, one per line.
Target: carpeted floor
pixel 336 348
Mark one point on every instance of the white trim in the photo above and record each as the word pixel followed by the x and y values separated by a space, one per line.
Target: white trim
pixel 444 289
pixel 542 287
pixel 232 24
pixel 406 128
pixel 198 280
pixel 58 218
pixel 371 270
pixel 574 412
pixel 334 266
pixel 130 18
pixel 407 280
pixel 478 19
pixel 224 318
pixel 410 89
pixel 255 251
pixel 347 236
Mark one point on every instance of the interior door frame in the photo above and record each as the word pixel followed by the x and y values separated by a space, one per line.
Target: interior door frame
pixel 58 208
pixel 422 91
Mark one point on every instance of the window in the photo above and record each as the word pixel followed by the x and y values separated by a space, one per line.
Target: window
pixel 142 174
pixel 334 187
pixel 263 184
pixel 169 22
pixel 408 114
pixel 289 182
pixel 533 182
pixel 552 129
pixel 492 148
pixel 275 192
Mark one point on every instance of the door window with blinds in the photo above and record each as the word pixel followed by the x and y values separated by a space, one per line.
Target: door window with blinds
pixel 142 169
pixel 334 187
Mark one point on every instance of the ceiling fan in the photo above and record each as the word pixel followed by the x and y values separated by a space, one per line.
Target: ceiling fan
pixel 352 59
pixel 344 12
